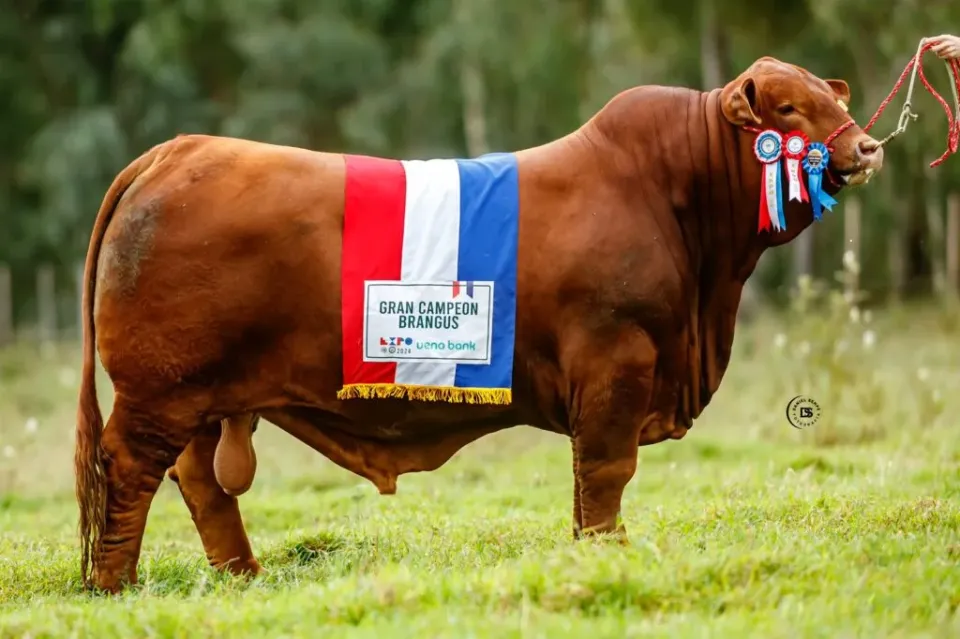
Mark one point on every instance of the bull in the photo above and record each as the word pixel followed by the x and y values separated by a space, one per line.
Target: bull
pixel 212 296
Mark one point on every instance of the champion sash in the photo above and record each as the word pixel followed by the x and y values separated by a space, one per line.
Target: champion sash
pixel 429 271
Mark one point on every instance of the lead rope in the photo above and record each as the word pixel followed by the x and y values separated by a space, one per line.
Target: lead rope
pixel 769 145
pixel 914 68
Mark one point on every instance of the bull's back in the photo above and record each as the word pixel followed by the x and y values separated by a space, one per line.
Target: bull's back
pixel 215 258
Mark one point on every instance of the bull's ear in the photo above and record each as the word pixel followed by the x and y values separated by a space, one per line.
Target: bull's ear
pixel 841 89
pixel 738 101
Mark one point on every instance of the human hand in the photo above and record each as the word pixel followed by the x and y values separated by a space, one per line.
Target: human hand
pixel 947 46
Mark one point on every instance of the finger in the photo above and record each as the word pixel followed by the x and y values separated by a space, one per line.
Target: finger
pixel 948 50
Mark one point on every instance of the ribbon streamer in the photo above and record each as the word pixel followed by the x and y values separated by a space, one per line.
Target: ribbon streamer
pixel 795 149
pixel 815 163
pixel 768 147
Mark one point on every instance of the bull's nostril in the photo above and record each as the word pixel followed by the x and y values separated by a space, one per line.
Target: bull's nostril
pixel 867 147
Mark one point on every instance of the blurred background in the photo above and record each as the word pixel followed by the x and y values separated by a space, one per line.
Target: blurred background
pixel 88 85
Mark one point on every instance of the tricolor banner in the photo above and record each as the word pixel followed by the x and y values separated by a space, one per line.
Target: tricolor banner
pixel 429 270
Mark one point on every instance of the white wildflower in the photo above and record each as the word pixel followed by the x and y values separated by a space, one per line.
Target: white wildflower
pixel 869 339
pixel 780 340
pixel 31 425
pixel 9 452
pixel 850 261
pixel 923 373
pixel 855 314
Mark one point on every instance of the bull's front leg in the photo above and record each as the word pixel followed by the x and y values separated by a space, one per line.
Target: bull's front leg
pixel 606 433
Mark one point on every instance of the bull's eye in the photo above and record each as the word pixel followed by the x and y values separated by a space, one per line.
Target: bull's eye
pixel 786 109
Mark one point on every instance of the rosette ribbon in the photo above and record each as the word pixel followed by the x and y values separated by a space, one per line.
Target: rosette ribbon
pixel 768 147
pixel 815 163
pixel 794 150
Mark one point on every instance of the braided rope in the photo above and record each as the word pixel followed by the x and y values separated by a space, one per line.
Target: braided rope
pixel 953 118
pixel 914 66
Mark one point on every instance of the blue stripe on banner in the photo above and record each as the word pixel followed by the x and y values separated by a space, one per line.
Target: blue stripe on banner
pixel 489 215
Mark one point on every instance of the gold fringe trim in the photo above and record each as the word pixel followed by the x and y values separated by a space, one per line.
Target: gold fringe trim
pixel 450 394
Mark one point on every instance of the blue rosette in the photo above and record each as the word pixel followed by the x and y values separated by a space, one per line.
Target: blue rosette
pixel 815 164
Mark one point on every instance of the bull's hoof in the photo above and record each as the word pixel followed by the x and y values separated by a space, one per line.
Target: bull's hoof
pixel 109 584
pixel 248 568
pixel 612 531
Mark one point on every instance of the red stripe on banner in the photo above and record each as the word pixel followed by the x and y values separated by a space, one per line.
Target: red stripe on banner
pixel 375 198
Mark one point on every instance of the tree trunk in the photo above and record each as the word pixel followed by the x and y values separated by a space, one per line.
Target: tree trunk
pixel 935 243
pixel 803 253
pixel 852 213
pixel 896 246
pixel 714 65
pixel 917 248
pixel 953 243
pixel 613 61
pixel 6 306
pixel 472 86
pixel 46 304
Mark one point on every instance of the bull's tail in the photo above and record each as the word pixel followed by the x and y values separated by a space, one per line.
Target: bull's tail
pixel 91 480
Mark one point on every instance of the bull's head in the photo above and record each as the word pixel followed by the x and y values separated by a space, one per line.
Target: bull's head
pixel 774 94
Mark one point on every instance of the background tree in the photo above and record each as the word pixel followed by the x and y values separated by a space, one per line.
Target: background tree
pixel 89 85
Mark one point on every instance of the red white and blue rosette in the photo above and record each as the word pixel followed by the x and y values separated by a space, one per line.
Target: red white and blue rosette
pixel 768 147
pixel 815 163
pixel 794 150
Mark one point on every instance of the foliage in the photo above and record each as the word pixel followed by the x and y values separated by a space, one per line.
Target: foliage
pixel 832 350
pixel 90 85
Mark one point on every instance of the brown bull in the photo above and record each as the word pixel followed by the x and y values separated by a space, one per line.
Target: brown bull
pixel 213 289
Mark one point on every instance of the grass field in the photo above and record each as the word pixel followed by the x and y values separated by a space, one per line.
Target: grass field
pixel 747 528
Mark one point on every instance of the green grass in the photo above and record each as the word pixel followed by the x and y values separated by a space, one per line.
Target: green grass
pixel 748 527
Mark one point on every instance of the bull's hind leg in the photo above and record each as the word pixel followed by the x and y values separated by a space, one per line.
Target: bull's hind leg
pixel 605 435
pixel 215 513
pixel 137 448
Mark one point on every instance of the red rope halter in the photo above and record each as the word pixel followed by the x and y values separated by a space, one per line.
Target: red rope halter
pixel 953 119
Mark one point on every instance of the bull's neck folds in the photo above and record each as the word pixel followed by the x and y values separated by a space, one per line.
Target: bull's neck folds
pixel 681 161
pixel 701 164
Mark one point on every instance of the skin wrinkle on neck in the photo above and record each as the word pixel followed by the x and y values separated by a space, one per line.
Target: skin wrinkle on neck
pixel 712 206
pixel 675 158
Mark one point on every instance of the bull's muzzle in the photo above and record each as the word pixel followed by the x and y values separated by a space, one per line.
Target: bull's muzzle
pixel 869 155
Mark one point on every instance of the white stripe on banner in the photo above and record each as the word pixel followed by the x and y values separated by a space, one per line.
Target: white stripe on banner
pixel 431 246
